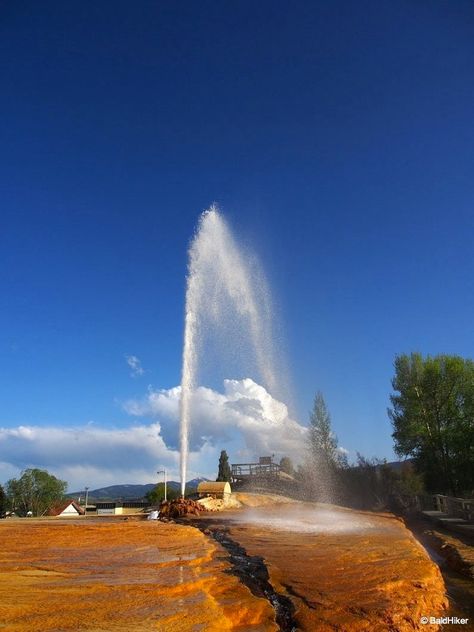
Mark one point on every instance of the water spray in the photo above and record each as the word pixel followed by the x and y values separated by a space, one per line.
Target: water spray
pixel 221 283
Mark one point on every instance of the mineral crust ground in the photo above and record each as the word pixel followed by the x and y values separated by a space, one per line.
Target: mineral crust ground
pixel 341 573
pixel 128 576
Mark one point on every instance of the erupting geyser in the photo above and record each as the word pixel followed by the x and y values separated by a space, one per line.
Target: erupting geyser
pixel 222 284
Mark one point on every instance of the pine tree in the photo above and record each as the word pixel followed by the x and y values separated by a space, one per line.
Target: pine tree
pixel 324 458
pixel 323 442
pixel 224 473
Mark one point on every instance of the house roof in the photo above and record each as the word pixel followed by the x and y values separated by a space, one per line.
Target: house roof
pixel 59 507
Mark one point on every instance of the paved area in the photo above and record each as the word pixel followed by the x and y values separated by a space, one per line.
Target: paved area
pixel 449 522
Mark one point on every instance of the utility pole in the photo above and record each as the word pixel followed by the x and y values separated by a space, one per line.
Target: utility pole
pixel 164 474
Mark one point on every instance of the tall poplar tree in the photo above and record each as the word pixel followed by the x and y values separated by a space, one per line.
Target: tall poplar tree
pixel 224 473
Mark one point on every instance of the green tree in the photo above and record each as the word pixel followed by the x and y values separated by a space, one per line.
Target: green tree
pixel 433 418
pixel 36 491
pixel 319 474
pixel 375 484
pixel 375 481
pixel 408 482
pixel 224 473
pixel 322 440
pixel 157 494
pixel 3 502
pixel 286 466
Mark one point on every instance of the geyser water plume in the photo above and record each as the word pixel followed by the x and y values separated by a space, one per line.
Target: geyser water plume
pixel 222 284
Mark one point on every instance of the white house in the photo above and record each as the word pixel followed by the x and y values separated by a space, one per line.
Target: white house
pixel 66 509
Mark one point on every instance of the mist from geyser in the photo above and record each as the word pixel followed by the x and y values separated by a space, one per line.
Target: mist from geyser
pixel 227 300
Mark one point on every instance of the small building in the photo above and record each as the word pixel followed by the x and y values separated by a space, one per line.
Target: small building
pixel 121 507
pixel 216 489
pixel 66 509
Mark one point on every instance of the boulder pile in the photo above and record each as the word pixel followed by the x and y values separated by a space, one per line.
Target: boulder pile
pixel 179 508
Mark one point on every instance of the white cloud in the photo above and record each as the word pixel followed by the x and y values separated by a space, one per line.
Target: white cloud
pixel 244 419
pixel 245 407
pixel 135 365
pixel 88 455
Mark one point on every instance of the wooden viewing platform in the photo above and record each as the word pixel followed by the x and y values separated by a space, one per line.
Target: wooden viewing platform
pixel 264 469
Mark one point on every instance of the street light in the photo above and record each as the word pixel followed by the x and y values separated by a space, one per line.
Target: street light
pixel 164 473
pixel 87 494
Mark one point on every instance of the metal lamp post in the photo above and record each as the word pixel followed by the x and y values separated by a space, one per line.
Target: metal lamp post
pixel 87 494
pixel 164 475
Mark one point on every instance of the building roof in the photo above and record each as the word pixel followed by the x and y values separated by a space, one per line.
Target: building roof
pixel 214 487
pixel 58 508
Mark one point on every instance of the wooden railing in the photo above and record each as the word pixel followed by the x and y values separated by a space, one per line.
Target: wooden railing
pixel 251 470
pixel 456 507
pixel 462 508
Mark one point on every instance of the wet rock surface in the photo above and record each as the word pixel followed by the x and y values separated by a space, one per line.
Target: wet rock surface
pixel 455 558
pixel 458 553
pixel 342 570
pixel 252 571
pixel 106 576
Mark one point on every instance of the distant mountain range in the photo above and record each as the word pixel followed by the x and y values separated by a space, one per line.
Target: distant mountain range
pixel 114 492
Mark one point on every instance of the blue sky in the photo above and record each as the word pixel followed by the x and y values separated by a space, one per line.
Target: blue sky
pixel 338 141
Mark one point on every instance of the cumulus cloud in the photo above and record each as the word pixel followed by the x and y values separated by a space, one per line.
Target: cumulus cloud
pixel 135 365
pixel 87 452
pixel 244 407
pixel 244 419
pixel 87 444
